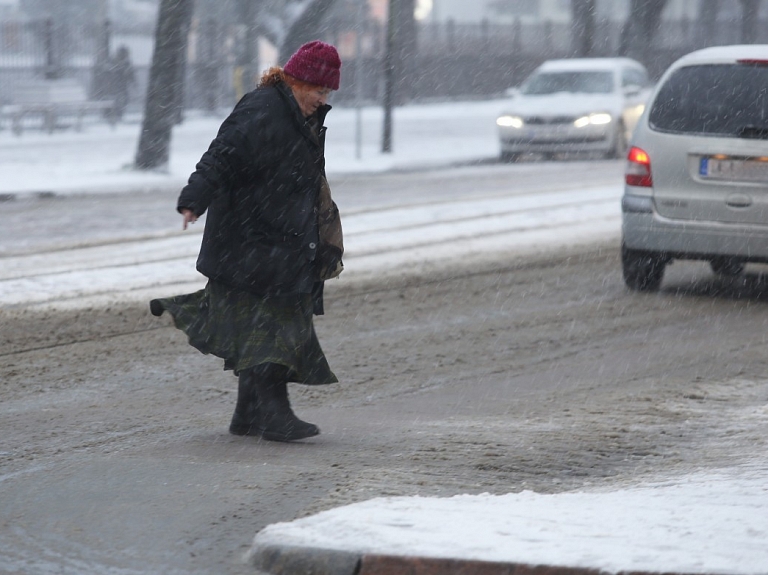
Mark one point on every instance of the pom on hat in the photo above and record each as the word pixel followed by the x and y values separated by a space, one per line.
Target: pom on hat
pixel 317 63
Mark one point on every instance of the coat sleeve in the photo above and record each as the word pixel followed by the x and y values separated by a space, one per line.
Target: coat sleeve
pixel 230 160
pixel 219 169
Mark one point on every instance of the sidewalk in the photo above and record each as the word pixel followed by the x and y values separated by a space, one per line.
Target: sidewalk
pixel 99 159
pixel 707 523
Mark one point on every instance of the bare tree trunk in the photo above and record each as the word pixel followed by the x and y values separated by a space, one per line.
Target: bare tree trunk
pixel 708 10
pixel 249 57
pixel 404 49
pixel 165 87
pixel 180 85
pixel 208 66
pixel 100 80
pixel 52 52
pixel 583 27
pixel 305 28
pixel 640 28
pixel 749 10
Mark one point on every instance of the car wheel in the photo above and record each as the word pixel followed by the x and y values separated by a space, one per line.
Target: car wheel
pixel 727 266
pixel 619 143
pixel 509 157
pixel 643 271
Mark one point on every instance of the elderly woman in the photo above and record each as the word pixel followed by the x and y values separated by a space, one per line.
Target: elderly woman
pixel 272 236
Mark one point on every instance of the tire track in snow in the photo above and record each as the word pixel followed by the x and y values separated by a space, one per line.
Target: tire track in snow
pixel 376 238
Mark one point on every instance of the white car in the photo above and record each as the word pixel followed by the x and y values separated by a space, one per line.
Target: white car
pixel 696 182
pixel 575 105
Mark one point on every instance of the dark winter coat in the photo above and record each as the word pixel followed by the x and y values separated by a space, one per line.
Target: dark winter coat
pixel 259 182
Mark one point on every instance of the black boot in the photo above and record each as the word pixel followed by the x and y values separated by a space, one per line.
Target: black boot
pixel 277 421
pixel 156 308
pixel 245 420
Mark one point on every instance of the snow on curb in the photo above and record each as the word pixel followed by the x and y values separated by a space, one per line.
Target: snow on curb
pixel 713 523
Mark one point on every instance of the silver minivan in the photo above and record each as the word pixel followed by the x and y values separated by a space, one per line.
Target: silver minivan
pixel 696 182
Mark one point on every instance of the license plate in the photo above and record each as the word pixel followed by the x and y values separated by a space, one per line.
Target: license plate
pixel 734 169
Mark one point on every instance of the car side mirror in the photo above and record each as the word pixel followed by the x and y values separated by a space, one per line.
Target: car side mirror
pixel 632 90
pixel 512 92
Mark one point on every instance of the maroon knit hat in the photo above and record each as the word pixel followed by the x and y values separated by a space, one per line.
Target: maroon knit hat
pixel 317 63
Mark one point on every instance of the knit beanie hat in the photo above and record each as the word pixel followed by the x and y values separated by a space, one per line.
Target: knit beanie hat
pixel 317 63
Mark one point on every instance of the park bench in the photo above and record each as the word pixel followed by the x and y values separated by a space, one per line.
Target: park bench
pixel 53 103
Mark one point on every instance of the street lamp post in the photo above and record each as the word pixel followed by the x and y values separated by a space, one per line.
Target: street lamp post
pixel 389 78
pixel 359 79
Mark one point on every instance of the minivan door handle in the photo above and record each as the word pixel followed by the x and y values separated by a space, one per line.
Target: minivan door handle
pixel 738 201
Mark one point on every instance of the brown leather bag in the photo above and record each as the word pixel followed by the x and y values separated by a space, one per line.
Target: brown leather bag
pixel 331 247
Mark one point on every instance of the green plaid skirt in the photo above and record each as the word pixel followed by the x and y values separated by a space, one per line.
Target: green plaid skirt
pixel 246 330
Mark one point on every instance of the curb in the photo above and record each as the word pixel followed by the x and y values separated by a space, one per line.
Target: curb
pixel 393 565
pixel 290 560
pixel 294 560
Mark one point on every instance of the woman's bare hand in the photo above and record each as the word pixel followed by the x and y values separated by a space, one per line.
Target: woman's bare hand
pixel 189 217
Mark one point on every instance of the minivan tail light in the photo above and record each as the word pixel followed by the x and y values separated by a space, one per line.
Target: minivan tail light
pixel 638 170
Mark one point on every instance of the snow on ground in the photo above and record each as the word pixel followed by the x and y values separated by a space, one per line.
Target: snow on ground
pixel 99 158
pixel 702 523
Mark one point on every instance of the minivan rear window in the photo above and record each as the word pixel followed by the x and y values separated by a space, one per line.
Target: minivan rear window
pixel 713 99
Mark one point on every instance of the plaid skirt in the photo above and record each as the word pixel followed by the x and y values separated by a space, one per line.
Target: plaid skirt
pixel 246 330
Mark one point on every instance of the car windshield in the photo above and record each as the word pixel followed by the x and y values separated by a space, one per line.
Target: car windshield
pixel 717 99
pixel 588 82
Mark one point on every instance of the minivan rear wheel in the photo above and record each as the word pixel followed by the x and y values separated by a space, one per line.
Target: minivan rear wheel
pixel 643 270
pixel 727 266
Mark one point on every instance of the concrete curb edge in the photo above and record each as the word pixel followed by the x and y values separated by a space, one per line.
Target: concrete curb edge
pixel 296 560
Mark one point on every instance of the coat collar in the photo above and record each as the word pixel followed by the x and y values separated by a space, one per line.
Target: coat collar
pixel 303 123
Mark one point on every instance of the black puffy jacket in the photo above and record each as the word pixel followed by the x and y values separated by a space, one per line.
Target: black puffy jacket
pixel 259 181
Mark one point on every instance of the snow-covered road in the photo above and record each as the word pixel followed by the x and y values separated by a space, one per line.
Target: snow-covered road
pixel 575 383
pixel 376 239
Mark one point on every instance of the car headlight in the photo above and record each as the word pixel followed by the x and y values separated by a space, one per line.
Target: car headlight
pixel 593 120
pixel 510 121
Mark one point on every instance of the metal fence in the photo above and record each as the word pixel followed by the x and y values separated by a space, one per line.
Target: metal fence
pixel 44 49
pixel 451 61
pixel 491 57
pixel 47 49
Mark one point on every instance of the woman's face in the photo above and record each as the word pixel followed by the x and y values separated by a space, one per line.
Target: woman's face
pixel 310 97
